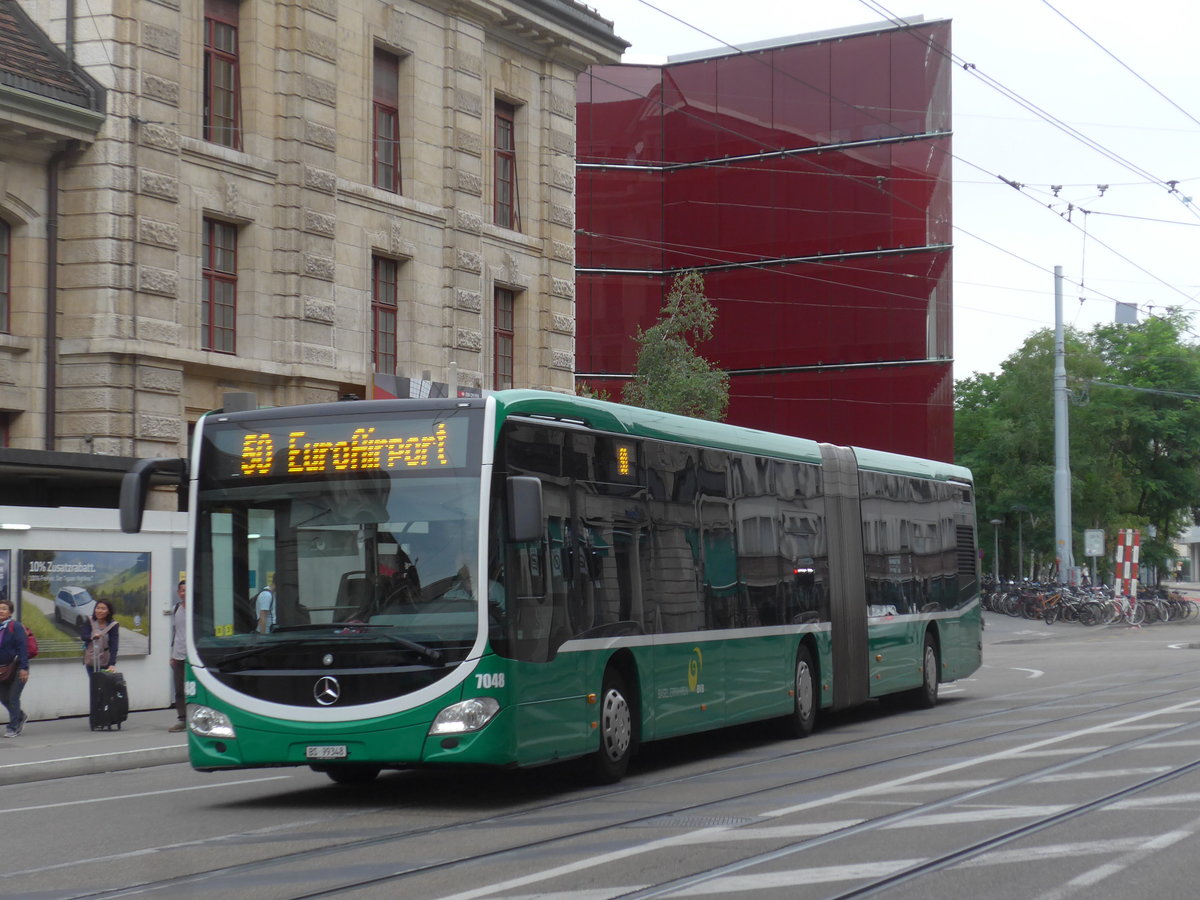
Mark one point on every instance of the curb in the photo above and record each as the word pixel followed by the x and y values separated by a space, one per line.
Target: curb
pixel 45 769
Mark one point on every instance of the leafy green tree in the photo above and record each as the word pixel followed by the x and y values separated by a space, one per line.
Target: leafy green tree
pixel 587 389
pixel 671 375
pixel 1145 411
pixel 1135 457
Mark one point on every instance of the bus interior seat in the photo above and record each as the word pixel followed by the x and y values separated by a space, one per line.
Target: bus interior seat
pixel 354 596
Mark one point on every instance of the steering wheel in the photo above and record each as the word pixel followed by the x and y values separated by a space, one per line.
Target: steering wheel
pixel 402 597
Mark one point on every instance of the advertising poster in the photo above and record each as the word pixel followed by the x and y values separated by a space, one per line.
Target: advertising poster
pixel 59 590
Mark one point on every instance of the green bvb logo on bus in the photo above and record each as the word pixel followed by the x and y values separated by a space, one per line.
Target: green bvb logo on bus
pixel 695 668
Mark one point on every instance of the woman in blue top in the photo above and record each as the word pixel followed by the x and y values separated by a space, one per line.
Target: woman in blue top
pixel 101 636
pixel 13 645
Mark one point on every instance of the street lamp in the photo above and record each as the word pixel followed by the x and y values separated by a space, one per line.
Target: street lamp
pixel 996 523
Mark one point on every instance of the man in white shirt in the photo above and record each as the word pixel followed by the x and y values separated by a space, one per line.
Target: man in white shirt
pixel 179 654
pixel 264 607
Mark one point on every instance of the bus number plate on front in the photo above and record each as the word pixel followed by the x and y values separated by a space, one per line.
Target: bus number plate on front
pixel 335 751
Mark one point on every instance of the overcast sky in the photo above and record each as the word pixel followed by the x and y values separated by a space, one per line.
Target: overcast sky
pixel 1124 76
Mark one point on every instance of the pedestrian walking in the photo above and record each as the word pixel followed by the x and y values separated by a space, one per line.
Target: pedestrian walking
pixel 179 653
pixel 14 668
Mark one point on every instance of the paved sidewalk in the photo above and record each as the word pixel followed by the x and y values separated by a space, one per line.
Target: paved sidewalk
pixel 60 748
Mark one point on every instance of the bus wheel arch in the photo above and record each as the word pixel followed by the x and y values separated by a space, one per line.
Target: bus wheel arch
pixel 618 720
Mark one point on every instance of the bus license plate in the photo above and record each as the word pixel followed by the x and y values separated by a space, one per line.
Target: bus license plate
pixel 335 751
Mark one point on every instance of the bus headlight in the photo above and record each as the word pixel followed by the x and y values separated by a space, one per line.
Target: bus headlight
pixel 469 715
pixel 206 722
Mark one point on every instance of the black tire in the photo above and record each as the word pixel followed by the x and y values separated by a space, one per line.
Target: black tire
pixel 803 718
pixel 611 759
pixel 355 773
pixel 1050 616
pixel 926 696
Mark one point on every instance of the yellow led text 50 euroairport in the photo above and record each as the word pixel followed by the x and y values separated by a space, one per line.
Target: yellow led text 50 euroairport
pixel 361 452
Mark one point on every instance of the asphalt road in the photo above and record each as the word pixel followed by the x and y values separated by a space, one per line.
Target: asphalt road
pixel 1068 766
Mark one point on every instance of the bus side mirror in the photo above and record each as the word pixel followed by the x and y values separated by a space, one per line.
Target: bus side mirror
pixel 136 482
pixel 525 521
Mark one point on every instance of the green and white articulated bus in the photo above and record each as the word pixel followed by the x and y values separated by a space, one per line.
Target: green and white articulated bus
pixel 532 577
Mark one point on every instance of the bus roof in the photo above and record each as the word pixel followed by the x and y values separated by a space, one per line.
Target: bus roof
pixel 648 423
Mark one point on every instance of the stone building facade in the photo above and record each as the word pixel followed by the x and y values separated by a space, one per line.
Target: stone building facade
pixel 286 197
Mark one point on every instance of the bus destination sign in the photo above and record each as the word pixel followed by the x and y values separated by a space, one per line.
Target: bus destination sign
pixel 328 448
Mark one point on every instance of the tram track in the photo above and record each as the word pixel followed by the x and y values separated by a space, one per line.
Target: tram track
pixel 948 860
pixel 945 860
pixel 525 814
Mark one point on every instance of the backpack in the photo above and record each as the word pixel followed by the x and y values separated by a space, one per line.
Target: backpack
pixel 31 644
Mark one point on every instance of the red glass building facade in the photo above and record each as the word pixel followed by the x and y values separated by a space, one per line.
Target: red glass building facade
pixel 809 181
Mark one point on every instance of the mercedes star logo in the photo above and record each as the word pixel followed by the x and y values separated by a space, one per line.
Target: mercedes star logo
pixel 327 690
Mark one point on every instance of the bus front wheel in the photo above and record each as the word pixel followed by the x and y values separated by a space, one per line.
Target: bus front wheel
pixel 803 718
pixel 616 730
pixel 352 774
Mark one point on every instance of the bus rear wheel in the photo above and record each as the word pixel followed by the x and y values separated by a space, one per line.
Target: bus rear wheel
pixel 352 774
pixel 616 730
pixel 803 718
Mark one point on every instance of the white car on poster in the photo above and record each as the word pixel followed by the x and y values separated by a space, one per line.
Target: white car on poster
pixel 73 605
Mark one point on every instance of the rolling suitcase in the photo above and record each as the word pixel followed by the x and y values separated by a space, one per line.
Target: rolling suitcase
pixel 109 701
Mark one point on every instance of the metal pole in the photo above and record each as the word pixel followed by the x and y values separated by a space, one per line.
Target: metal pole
pixel 1062 462
pixel 1020 549
pixel 996 523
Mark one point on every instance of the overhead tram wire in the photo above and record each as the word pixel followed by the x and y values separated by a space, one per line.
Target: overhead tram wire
pixel 1099 212
pixel 907 27
pixel 1018 187
pixel 1009 93
pixel 1118 60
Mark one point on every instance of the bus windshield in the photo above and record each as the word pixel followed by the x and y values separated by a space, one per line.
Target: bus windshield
pixel 327 534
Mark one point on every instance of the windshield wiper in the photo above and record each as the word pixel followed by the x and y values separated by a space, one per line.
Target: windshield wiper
pixel 431 656
pixel 434 657
pixel 258 649
pixel 428 654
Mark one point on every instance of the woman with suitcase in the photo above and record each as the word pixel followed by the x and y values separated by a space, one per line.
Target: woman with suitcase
pixel 101 636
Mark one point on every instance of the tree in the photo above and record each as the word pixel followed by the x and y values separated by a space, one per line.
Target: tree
pixel 1135 460
pixel 1145 411
pixel 671 375
pixel 587 389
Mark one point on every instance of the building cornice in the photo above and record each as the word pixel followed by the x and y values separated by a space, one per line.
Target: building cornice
pixel 54 118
